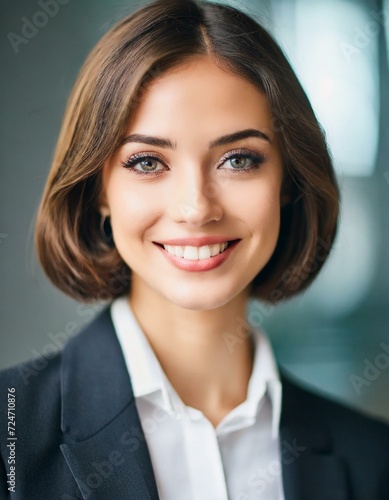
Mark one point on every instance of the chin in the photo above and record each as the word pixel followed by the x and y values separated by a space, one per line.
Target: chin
pixel 199 299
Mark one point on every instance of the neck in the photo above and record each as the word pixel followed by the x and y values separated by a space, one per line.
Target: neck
pixel 206 354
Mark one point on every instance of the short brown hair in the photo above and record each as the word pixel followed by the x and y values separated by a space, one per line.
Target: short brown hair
pixel 70 244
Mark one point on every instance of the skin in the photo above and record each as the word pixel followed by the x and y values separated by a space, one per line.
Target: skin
pixel 187 316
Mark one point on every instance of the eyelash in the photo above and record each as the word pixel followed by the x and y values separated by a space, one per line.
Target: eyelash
pixel 256 158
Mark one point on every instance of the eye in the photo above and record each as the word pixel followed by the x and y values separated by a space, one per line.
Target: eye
pixel 143 164
pixel 242 161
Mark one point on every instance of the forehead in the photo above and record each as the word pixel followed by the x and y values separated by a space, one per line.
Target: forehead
pixel 201 96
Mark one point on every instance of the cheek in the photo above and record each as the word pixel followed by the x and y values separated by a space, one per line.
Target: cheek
pixel 267 216
pixel 258 205
pixel 132 212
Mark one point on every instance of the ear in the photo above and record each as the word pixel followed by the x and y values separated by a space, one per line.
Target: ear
pixel 286 192
pixel 285 199
pixel 103 206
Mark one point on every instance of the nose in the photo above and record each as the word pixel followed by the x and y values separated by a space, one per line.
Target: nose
pixel 196 200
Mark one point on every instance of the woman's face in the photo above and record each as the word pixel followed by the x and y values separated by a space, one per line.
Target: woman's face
pixel 194 191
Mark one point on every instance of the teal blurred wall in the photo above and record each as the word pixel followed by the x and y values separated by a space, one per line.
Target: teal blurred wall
pixel 327 347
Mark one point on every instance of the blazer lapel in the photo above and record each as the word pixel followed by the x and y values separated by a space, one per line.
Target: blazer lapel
pixel 309 467
pixel 104 444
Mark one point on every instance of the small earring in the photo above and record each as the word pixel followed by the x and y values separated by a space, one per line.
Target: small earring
pixel 106 230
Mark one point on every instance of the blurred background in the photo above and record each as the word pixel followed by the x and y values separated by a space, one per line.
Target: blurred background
pixel 335 337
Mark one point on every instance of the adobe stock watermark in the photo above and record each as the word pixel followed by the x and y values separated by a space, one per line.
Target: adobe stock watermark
pixel 363 36
pixel 199 200
pixel 50 350
pixel 117 283
pixel 294 276
pixel 3 236
pixel 129 441
pixel 372 370
pixel 386 175
pixel 260 480
pixel 30 27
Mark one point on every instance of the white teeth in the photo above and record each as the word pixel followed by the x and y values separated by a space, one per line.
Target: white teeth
pixel 196 253
pixel 191 253
pixel 179 251
pixel 204 252
pixel 215 249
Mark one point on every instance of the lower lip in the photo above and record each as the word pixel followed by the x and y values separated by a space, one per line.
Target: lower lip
pixel 199 265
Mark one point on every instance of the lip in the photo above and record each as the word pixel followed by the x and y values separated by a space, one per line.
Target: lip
pixel 198 265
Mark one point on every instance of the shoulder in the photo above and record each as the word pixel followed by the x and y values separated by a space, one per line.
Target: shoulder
pixel 44 372
pixel 37 383
pixel 32 372
pixel 35 386
pixel 341 448
pixel 30 414
pixel 313 404
pixel 37 390
pixel 349 430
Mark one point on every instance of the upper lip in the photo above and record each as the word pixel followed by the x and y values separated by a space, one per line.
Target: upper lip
pixel 196 242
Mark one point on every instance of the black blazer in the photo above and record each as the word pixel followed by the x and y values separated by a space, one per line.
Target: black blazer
pixel 79 435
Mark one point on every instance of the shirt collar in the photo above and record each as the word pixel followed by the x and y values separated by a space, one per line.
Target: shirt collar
pixel 148 379
pixel 264 379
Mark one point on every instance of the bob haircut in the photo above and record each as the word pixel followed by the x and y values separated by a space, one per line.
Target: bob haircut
pixel 73 249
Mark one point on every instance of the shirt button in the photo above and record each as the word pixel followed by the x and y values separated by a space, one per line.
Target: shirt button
pixel 176 412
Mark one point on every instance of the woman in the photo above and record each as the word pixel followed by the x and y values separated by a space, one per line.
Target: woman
pixel 190 175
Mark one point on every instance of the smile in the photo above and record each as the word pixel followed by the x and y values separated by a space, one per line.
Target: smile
pixel 197 255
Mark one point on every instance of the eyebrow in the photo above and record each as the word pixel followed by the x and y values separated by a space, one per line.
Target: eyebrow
pixel 221 141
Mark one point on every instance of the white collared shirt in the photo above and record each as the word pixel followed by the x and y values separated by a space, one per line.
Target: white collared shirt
pixel 192 460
